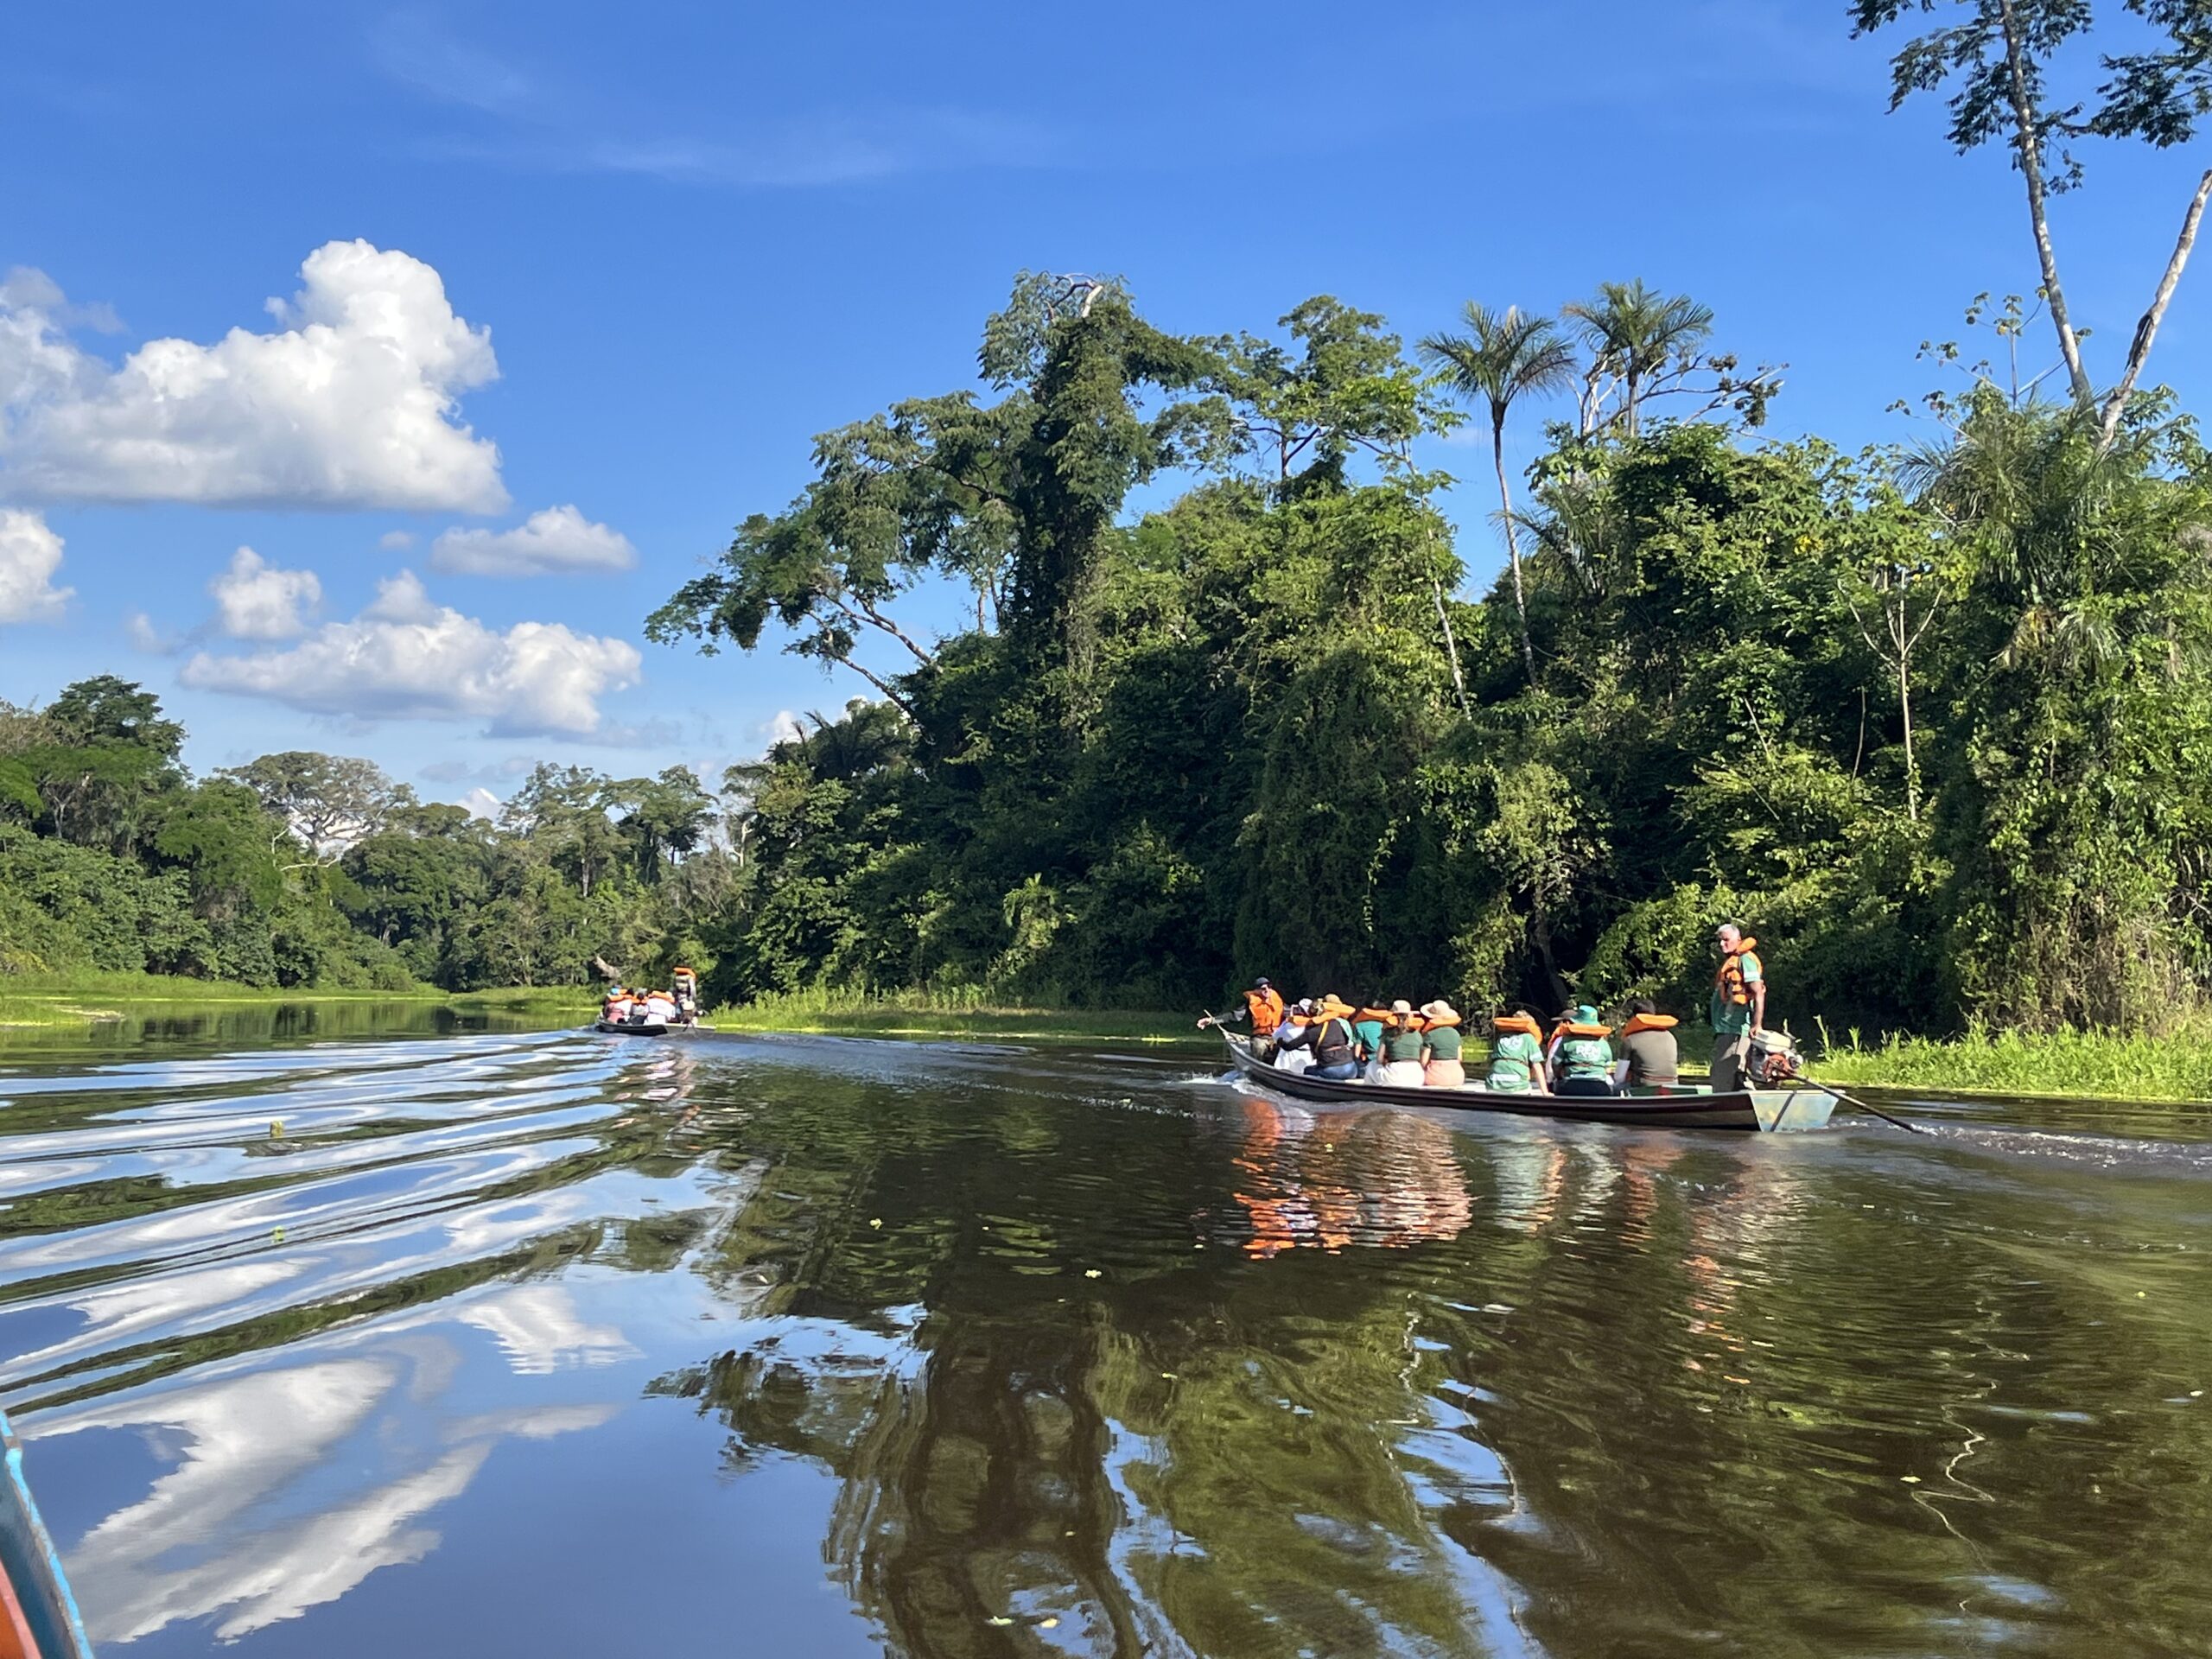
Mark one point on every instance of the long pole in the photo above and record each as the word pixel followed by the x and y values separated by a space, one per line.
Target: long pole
pixel 1854 1100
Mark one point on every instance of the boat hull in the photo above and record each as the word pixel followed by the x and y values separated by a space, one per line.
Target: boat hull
pixel 1751 1109
pixel 37 1614
pixel 651 1029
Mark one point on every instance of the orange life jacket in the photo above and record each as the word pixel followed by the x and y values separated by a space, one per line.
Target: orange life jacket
pixel 1734 989
pixel 1439 1024
pixel 1648 1022
pixel 1266 1008
pixel 1577 1028
pixel 1517 1022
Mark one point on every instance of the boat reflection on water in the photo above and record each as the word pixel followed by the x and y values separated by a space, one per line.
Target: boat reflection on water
pixel 1379 1177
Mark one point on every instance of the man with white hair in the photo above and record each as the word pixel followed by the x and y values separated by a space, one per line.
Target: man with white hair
pixel 1739 1006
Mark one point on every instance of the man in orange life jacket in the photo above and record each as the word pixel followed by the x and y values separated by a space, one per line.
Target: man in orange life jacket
pixel 1739 1006
pixel 1263 1007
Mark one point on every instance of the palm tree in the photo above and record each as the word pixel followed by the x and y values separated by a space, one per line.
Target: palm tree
pixel 1503 356
pixel 1633 330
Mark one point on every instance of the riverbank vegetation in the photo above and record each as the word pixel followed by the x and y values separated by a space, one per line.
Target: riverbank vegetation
pixel 969 1013
pixel 306 871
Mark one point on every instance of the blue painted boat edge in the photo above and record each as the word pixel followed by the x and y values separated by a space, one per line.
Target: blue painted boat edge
pixel 33 1566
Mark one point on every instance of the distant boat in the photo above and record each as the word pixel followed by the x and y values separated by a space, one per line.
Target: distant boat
pixel 1746 1108
pixel 38 1616
pixel 636 1029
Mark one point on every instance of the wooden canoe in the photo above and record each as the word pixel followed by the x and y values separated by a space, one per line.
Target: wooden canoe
pixel 38 1617
pixel 1746 1108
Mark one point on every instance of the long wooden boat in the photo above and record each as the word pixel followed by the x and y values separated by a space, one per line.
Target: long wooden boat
pixel 38 1617
pixel 1806 1107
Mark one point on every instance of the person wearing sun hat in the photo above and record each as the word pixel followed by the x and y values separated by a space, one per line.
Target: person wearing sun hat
pixel 1398 1059
pixel 1329 1035
pixel 1441 1065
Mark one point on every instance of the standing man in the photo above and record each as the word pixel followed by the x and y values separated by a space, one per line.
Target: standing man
pixel 1739 1006
pixel 1263 1007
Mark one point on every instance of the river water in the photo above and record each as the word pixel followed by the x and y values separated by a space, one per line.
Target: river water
pixel 494 1344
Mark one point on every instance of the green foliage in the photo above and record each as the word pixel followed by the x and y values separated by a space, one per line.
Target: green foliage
pixel 306 869
pixel 1936 727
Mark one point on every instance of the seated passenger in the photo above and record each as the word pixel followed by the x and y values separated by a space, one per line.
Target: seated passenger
pixel 1441 1066
pixel 1650 1060
pixel 1367 1028
pixel 1328 1035
pixel 1516 1056
pixel 1290 1056
pixel 660 1009
pixel 1398 1061
pixel 1586 1059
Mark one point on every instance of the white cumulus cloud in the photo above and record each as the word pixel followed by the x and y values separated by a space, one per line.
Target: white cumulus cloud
pixel 550 543
pixel 406 657
pixel 255 601
pixel 29 554
pixel 353 401
pixel 396 541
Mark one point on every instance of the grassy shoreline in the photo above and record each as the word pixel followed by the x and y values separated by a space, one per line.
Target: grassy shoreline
pixel 924 1014
pixel 58 1003
pixel 2086 1066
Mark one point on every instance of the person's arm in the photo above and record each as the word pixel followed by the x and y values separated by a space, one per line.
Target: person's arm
pixel 1541 1071
pixel 1758 1003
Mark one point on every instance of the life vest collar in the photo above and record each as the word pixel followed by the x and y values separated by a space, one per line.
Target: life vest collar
pixel 1521 1022
pixel 1579 1028
pixel 1649 1022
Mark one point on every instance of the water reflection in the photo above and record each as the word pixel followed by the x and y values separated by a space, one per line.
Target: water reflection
pixel 1381 1177
pixel 979 1352
pixel 308 1475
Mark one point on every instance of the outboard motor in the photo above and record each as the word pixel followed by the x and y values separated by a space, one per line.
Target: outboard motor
pixel 1773 1059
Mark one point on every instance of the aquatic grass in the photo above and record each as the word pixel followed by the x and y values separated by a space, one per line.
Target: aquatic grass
pixel 2076 1064
pixel 70 998
pixel 37 1007
pixel 951 1011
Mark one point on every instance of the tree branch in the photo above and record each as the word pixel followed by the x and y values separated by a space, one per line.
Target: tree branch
pixel 881 684
pixel 2147 330
pixel 2029 144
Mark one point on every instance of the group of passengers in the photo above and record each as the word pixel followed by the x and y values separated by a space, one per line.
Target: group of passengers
pixel 629 1006
pixel 1403 1046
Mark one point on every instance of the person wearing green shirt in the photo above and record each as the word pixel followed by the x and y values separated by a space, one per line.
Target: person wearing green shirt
pixel 1366 1041
pixel 1441 1066
pixel 1739 1006
pixel 1586 1059
pixel 1516 1056
pixel 1400 1055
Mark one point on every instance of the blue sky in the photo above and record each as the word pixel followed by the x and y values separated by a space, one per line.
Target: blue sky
pixel 647 250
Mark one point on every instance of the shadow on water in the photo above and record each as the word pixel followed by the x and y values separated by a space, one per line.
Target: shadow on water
pixel 550 1343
